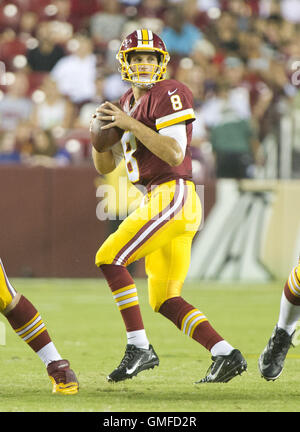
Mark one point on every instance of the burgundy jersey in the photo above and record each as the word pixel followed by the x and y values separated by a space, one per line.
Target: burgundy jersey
pixel 166 103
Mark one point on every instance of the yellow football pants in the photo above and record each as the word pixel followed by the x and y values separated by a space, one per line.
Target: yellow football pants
pixel 7 292
pixel 161 230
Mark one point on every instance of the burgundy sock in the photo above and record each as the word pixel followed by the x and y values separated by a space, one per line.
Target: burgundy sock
pixel 125 294
pixel 191 321
pixel 28 324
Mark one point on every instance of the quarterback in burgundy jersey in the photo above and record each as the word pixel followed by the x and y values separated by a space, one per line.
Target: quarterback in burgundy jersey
pixel 167 103
pixel 156 117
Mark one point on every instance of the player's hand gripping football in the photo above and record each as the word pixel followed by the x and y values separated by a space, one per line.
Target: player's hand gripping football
pixel 109 112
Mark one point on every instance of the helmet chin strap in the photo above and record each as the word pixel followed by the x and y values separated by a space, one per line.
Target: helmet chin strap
pixel 143 86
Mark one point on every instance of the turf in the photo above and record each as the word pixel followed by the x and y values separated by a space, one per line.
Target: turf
pixel 87 329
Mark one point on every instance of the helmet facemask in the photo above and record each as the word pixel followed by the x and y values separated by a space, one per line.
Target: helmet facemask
pixel 135 72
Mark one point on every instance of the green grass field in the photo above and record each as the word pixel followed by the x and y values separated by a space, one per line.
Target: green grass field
pixel 87 329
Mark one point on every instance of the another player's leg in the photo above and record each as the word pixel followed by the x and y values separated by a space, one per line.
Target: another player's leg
pixel 29 326
pixel 166 269
pixel 139 354
pixel 271 360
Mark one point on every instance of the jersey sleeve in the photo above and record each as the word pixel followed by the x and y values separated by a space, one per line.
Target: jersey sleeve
pixel 175 105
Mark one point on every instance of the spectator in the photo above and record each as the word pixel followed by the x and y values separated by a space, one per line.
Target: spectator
pixel 28 24
pixel 45 152
pixel 81 12
pixel 88 109
pixel 238 92
pixel 151 8
pixel 107 24
pixel 15 105
pixel 224 34
pixel 8 151
pixel 290 10
pixel 55 111
pixel 231 135
pixel 23 139
pixel 179 35
pixel 75 74
pixel 205 5
pixel 150 13
pixel 114 87
pixel 45 56
pixel 193 76
pixel 109 87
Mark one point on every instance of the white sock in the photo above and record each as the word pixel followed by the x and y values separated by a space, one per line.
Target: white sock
pixel 138 338
pixel 49 353
pixel 221 348
pixel 288 316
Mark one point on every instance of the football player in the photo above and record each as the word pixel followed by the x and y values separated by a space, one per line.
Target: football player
pixel 29 326
pixel 156 117
pixel 271 360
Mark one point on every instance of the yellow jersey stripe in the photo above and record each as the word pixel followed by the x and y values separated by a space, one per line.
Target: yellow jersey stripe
pixel 174 121
pixel 174 115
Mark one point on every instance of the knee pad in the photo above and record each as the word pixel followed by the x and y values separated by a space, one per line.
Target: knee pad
pixel 104 254
pixel 161 290
pixel 11 305
pixel 4 303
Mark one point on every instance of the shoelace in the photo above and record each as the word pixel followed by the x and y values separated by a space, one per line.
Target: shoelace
pixel 277 344
pixel 208 370
pixel 129 354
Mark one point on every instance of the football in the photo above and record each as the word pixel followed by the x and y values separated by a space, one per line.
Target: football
pixel 104 140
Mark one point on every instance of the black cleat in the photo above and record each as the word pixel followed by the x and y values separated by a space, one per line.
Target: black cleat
pixel 134 361
pixel 224 368
pixel 271 360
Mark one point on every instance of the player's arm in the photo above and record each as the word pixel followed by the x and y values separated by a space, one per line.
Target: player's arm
pixel 106 162
pixel 165 147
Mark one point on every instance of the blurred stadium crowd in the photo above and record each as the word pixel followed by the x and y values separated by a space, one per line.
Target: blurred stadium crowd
pixel 239 58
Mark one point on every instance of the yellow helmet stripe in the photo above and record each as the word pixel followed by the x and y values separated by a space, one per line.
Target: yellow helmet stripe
pixel 145 36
